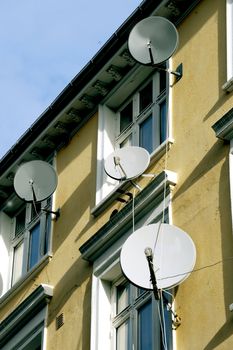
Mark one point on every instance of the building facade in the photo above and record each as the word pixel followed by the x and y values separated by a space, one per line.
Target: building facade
pixel 61 283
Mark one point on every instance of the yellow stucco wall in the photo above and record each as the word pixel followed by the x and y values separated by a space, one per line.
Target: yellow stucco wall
pixel 201 202
pixel 76 167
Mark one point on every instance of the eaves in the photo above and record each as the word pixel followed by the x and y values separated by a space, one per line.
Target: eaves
pixel 80 98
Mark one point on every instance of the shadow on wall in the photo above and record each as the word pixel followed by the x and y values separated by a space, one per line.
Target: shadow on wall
pixel 72 211
pixel 200 17
pixel 211 159
pixel 83 195
pixel 79 273
pixel 214 156
pixel 227 251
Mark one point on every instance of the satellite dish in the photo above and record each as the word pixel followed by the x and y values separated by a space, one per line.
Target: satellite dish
pixel 127 163
pixel 35 181
pixel 174 256
pixel 153 40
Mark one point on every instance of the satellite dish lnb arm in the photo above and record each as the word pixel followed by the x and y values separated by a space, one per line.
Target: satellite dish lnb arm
pixel 178 72
pixel 148 253
pixel 150 53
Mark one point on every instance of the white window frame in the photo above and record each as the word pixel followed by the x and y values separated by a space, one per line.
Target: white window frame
pixel 27 321
pixel 108 135
pixel 24 338
pixel 228 86
pixel 231 179
pixel 229 35
pixel 131 314
pixel 223 129
pixel 139 117
pixel 24 238
pixel 103 334
pixel 106 269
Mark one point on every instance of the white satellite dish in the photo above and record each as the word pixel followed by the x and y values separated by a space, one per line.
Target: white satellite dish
pixel 174 256
pixel 153 40
pixel 35 181
pixel 127 163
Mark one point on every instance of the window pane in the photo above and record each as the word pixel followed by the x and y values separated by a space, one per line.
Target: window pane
pixel 126 116
pixel 126 142
pixel 20 222
pixel 162 81
pixel 33 343
pixel 34 246
pixel 17 263
pixel 47 234
pixel 122 336
pixel 145 134
pixel 145 96
pixel 36 209
pixel 123 291
pixel 145 326
pixel 163 121
pixel 141 291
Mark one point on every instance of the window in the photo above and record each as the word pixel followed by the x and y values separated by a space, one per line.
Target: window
pixel 123 315
pixel 30 238
pixel 223 129
pixel 135 114
pixel 143 119
pixel 228 86
pixel 137 319
pixel 229 32
pixel 24 327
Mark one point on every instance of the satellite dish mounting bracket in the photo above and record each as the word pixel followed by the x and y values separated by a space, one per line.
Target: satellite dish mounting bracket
pixel 57 213
pixel 178 73
pixel 176 320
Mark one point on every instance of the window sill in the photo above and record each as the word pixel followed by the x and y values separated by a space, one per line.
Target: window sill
pixel 161 150
pixel 228 86
pixel 157 154
pixel 24 279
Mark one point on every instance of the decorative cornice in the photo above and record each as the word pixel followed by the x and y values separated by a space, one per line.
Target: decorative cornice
pixel 24 312
pixel 228 86
pixel 150 197
pixel 224 127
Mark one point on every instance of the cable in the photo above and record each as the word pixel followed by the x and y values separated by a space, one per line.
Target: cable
pixel 198 269
pixel 163 320
pixel 34 200
pixel 165 167
pixel 133 214
pixel 165 184
pixel 161 325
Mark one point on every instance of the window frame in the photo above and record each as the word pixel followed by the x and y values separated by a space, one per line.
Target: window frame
pixel 103 250
pixel 229 38
pixel 131 313
pixel 223 129
pixel 231 178
pixel 138 117
pixel 228 85
pixel 43 219
pixel 107 132
pixel 27 321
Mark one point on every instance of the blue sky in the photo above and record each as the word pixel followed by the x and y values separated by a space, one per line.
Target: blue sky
pixel 44 44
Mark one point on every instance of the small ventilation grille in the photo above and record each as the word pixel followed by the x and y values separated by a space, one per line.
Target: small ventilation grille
pixel 59 321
